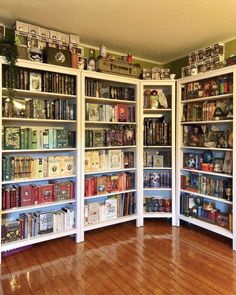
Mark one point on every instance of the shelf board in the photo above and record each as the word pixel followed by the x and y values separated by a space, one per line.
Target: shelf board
pixel 39 94
pixel 109 194
pixel 215 97
pixel 212 227
pixel 38 150
pixel 206 148
pixel 157 168
pixel 206 172
pixel 37 239
pixel 109 171
pixel 157 189
pixel 39 206
pixel 206 196
pixel 111 147
pixel 109 123
pixel 100 100
pixel 207 122
pixel 157 215
pixel 110 222
pixel 146 116
pixel 37 120
pixel 37 179
pixel 157 146
pixel 145 110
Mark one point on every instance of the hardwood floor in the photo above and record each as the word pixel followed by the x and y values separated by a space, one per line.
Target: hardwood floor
pixel 155 259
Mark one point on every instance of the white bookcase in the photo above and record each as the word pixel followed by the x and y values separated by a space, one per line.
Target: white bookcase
pixel 72 125
pixel 89 81
pixel 203 147
pixel 157 103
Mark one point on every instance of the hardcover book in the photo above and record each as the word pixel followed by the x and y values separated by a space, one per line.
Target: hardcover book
pixel 11 231
pixel 111 208
pixel 35 81
pixel 12 138
pixel 54 166
pixel 67 165
pixel 115 159
pixel 45 222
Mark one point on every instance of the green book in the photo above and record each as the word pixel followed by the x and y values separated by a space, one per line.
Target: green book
pixel 34 139
pixel 12 138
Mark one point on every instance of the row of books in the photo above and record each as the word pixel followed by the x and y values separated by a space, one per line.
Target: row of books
pixel 206 211
pixel 38 109
pixel 29 225
pixel 208 111
pixel 40 81
pixel 156 159
pixel 208 87
pixel 116 136
pixel 207 185
pixel 15 138
pixel 103 184
pixel 27 167
pixel 107 160
pixel 157 132
pixel 157 180
pixel 97 88
pixel 109 113
pixel 109 208
pixel 157 204
pixel 26 195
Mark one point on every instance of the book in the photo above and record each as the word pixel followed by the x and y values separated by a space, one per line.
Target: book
pixel 35 81
pixel 115 159
pixel 11 231
pixel 54 166
pixel 12 138
pixel 111 208
pixel 45 222
pixel 67 165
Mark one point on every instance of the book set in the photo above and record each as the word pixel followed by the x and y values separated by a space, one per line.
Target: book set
pixel 157 204
pixel 109 208
pixel 109 113
pixel 16 138
pixel 115 136
pixel 108 160
pixel 107 89
pixel 41 81
pixel 15 196
pixel 38 109
pixel 208 111
pixel 27 167
pixel 157 131
pixel 156 159
pixel 109 183
pixel 157 179
pixel 29 225
pixel 212 86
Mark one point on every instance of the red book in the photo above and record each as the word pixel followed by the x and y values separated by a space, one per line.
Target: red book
pixel 46 193
pixel 8 197
pixel 26 195
pixel 13 198
pixel 122 113
pixel 35 194
pixel 3 199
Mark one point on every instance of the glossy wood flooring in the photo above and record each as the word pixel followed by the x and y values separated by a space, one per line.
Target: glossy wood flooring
pixel 155 259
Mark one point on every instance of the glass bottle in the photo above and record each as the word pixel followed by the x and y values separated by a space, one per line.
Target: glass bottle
pixel 91 60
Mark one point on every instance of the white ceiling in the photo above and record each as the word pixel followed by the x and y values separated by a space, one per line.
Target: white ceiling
pixel 160 30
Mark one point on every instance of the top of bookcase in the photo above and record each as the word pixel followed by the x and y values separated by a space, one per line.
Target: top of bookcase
pixel 209 74
pixel 42 66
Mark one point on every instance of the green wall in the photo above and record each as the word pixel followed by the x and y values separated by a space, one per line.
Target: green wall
pixel 176 65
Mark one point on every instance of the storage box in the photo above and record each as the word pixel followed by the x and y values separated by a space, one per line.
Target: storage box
pixel 34 30
pixel 58 57
pixel 22 27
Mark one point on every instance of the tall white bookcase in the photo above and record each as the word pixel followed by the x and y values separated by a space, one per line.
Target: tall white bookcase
pixel 191 95
pixel 94 97
pixel 73 125
pixel 159 156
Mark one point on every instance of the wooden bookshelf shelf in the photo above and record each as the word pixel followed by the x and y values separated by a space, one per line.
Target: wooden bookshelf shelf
pixel 111 147
pixel 157 215
pixel 110 171
pixel 157 189
pixel 100 100
pixel 207 173
pixel 39 150
pixel 110 194
pixel 108 123
pixel 206 148
pixel 206 122
pixel 215 97
pixel 157 168
pixel 38 120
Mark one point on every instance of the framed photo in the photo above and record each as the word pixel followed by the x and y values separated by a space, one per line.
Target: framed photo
pixel 158 161
pixel 35 81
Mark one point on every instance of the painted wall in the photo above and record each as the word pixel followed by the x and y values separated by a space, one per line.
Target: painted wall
pixel 176 65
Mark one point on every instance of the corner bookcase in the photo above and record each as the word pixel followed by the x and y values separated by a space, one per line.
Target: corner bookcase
pixel 205 149
pixel 40 127
pixel 157 146
pixel 110 154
